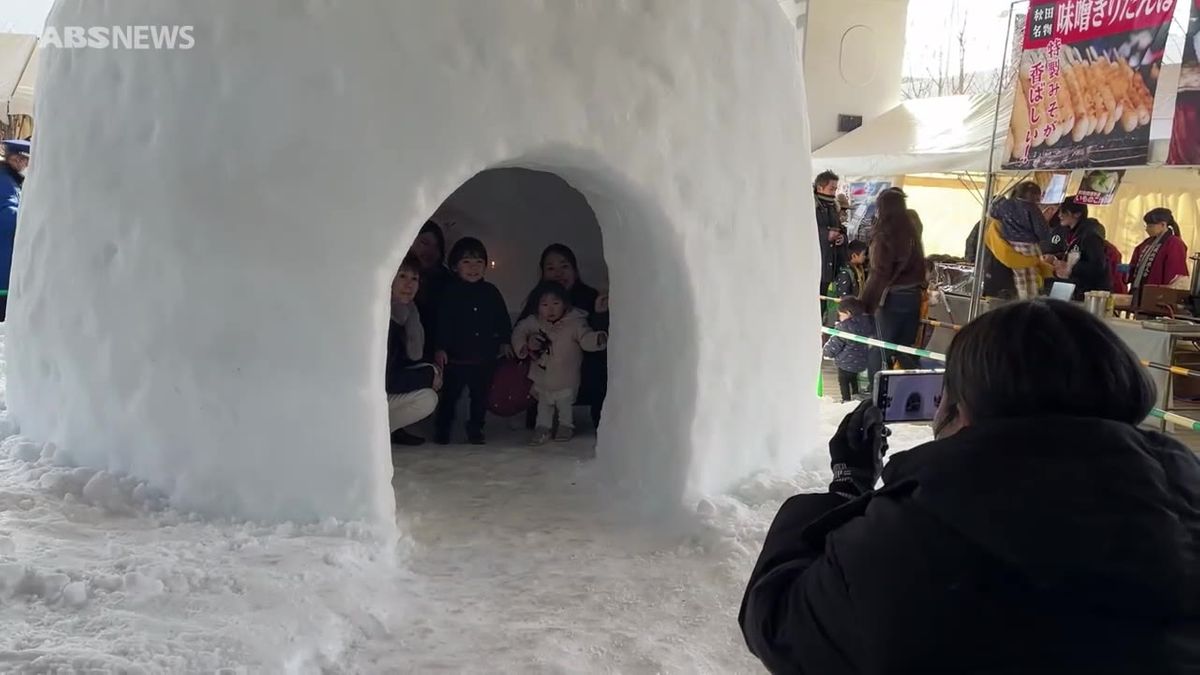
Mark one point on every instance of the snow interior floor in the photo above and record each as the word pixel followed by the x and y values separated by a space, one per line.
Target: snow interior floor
pixel 512 560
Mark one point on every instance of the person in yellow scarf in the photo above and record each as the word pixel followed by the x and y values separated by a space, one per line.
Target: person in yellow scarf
pixel 1011 257
pixel 1020 222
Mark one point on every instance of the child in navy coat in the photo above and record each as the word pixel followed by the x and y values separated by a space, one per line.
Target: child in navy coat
pixel 851 357
pixel 473 330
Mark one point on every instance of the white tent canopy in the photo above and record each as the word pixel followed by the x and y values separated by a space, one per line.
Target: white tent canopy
pixel 953 133
pixel 932 135
pixel 22 97
pixel 17 73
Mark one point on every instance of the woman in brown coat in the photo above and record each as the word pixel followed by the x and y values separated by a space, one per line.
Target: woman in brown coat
pixel 897 280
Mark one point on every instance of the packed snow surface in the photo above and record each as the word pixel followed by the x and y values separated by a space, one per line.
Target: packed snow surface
pixel 216 309
pixel 511 561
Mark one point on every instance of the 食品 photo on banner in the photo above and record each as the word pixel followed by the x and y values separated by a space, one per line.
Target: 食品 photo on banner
pixel 1086 83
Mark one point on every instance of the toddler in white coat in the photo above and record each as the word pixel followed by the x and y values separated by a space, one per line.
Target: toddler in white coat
pixel 555 339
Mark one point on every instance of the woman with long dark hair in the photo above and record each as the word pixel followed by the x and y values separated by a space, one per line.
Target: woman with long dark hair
pixel 1160 260
pixel 429 248
pixel 1085 262
pixel 896 283
pixel 558 264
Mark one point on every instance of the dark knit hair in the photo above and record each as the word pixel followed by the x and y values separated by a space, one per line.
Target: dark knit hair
pixel 563 250
pixel 1074 208
pixel 1028 191
pixel 852 306
pixel 467 246
pixel 1045 357
pixel 531 300
pixel 857 246
pixel 825 178
pixel 893 219
pixel 1162 215
pixel 436 230
pixel 550 288
pixel 411 264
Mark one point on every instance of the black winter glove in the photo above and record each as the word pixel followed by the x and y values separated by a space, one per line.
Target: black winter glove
pixel 856 452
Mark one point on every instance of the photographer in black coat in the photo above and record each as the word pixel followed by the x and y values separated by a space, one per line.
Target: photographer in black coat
pixel 1042 532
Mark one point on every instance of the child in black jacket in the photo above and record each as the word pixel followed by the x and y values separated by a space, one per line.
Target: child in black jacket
pixel 473 330
pixel 851 357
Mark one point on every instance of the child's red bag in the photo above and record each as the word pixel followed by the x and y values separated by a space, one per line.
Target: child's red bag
pixel 509 395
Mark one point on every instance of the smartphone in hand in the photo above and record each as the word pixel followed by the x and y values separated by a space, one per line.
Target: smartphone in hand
pixel 908 395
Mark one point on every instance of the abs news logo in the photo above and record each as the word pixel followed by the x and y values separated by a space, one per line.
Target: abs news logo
pixel 119 37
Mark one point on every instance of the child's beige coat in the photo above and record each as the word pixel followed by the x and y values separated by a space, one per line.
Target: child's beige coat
pixel 558 367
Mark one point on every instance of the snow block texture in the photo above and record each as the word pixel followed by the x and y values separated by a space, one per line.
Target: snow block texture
pixel 200 293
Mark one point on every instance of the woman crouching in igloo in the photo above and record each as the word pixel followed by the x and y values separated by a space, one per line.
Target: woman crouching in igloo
pixel 559 265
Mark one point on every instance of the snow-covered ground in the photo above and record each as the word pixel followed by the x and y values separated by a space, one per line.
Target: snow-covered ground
pixel 511 560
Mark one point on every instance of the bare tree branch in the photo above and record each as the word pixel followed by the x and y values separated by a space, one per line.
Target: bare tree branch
pixel 946 71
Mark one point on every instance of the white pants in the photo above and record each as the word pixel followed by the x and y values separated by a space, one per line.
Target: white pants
pixel 410 408
pixel 563 401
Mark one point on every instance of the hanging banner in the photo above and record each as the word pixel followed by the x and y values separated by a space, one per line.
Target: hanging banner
pixel 1098 188
pixel 862 203
pixel 1086 83
pixel 1055 189
pixel 1185 133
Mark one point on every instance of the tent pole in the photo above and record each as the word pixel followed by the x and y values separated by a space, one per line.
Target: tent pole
pixel 981 250
pixel 969 187
pixel 977 290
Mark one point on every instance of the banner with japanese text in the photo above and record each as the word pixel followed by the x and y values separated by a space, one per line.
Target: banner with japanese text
pixel 1185 133
pixel 862 196
pixel 1099 188
pixel 1086 83
pixel 1054 186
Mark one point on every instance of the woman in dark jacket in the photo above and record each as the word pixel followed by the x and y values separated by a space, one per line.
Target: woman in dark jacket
pixel 1085 245
pixel 558 264
pixel 411 382
pixel 896 282
pixel 430 249
pixel 1041 532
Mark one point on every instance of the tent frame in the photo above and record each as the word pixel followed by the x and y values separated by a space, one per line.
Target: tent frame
pixel 990 187
pixel 993 174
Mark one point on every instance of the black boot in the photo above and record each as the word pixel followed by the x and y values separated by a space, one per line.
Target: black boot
pixel 441 436
pixel 402 437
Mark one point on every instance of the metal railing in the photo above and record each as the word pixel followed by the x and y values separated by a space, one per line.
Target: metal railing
pixel 1165 416
pixel 884 345
pixel 941 324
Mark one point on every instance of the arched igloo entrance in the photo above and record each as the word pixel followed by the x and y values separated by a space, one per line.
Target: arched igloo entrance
pixel 517 213
pixel 517 207
pixel 199 279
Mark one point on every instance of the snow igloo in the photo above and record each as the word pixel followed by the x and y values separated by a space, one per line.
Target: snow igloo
pixel 200 289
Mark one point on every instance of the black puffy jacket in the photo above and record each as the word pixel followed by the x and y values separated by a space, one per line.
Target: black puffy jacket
pixel 1091 272
pixel 1049 545
pixel 404 374
pixel 472 322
